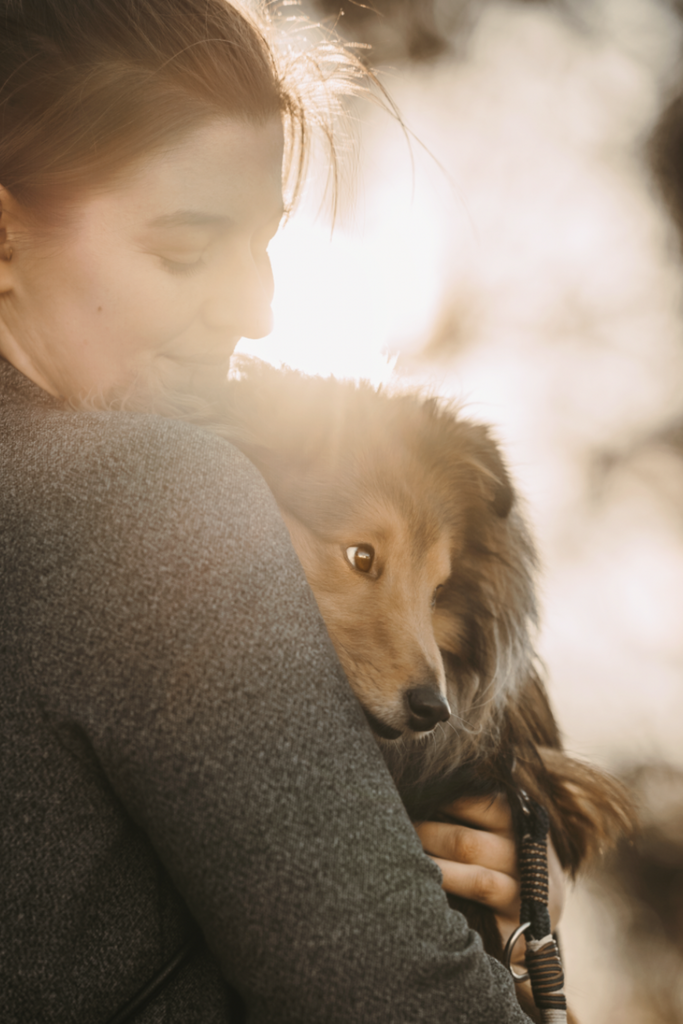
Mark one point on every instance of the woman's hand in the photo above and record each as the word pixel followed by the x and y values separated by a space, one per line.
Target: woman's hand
pixel 478 860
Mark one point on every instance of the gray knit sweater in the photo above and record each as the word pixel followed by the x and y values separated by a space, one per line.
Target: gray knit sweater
pixel 178 744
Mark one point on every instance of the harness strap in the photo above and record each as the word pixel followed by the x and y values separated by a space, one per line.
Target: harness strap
pixel 151 989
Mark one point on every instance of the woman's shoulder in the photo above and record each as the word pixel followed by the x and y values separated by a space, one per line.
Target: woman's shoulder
pixel 141 468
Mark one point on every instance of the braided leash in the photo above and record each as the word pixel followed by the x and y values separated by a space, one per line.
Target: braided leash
pixel 543 961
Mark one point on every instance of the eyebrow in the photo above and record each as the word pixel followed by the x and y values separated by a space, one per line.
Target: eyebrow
pixel 197 218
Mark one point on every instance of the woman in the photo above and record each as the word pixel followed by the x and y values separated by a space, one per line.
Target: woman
pixel 180 747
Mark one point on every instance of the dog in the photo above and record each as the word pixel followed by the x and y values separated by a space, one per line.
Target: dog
pixel 411 535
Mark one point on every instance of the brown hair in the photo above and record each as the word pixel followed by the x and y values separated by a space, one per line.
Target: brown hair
pixel 87 86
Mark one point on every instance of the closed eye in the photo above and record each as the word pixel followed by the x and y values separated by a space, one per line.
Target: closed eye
pixel 182 266
pixel 435 595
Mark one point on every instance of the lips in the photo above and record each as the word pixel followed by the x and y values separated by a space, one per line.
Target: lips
pixel 386 732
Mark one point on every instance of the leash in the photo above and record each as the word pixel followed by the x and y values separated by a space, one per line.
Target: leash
pixel 156 984
pixel 543 963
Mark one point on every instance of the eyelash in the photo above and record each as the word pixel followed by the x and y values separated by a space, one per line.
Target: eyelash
pixel 175 267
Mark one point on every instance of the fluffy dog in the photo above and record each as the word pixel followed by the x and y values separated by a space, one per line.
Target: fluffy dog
pixel 411 536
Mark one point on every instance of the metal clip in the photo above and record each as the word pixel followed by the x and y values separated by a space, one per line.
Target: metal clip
pixel 507 954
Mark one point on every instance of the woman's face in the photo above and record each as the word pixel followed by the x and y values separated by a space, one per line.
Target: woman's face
pixel 159 274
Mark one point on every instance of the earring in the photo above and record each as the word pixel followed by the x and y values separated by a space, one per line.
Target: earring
pixel 8 257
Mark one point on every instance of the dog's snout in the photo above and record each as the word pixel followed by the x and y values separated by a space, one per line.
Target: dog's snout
pixel 428 707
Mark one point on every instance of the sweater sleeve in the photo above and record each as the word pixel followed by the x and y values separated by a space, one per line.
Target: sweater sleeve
pixel 166 619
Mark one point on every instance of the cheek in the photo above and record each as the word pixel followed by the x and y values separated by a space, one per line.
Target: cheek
pixel 139 308
pixel 92 294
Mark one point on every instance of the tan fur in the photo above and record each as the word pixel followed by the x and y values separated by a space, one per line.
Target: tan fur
pixel 381 628
pixel 429 491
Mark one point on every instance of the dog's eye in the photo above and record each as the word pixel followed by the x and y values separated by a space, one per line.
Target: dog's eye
pixel 435 595
pixel 361 556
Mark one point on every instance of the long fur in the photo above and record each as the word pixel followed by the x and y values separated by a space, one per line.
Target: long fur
pixel 452 602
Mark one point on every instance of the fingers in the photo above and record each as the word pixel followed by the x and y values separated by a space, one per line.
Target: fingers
pixel 479 865
pixel 489 813
pixel 468 846
pixel 495 889
pixel 478 858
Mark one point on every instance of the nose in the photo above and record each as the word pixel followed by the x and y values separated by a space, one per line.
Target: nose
pixel 427 707
pixel 240 301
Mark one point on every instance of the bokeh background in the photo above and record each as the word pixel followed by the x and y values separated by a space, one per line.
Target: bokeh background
pixel 520 250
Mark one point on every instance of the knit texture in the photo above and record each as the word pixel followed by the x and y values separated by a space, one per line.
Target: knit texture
pixel 178 741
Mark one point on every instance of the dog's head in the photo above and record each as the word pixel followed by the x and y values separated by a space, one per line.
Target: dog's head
pixel 406 524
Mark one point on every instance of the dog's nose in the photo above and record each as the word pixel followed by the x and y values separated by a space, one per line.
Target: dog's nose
pixel 428 707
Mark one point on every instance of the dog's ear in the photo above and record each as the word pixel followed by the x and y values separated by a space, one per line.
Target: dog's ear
pixel 590 810
pixel 486 456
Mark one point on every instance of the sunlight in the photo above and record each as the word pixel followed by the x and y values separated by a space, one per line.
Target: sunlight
pixel 534 276
pixel 342 303
pixel 531 274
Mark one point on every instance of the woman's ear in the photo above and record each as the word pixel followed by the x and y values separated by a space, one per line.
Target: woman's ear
pixel 7 232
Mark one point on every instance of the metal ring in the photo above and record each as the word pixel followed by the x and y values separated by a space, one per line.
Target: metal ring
pixel 507 955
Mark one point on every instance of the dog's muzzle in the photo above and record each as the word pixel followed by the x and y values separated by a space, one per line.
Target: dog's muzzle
pixel 427 707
